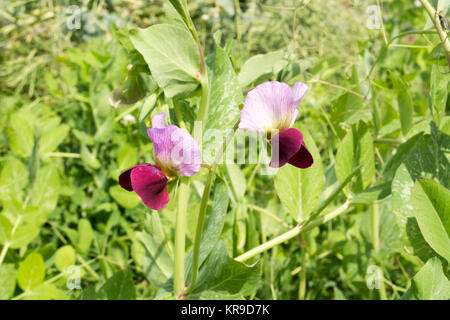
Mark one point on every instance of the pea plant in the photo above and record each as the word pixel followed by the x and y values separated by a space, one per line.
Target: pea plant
pixel 176 162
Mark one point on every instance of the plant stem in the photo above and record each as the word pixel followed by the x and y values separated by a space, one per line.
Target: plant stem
pixel 302 285
pixel 292 233
pixel 375 226
pixel 3 253
pixel 268 214
pixel 180 238
pixel 203 207
pixel 434 16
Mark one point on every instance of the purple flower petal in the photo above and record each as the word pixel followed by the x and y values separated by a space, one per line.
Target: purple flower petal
pixel 175 151
pixel 299 91
pixel 271 105
pixel 302 159
pixel 288 142
pixel 149 182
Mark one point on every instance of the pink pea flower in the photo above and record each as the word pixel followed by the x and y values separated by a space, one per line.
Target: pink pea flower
pixel 176 153
pixel 271 109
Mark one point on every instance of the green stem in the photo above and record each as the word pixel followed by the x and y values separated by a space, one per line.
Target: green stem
pixel 180 238
pixel 203 207
pixel 3 253
pixel 302 285
pixel 292 233
pixel 375 226
pixel 434 16
pixel 202 114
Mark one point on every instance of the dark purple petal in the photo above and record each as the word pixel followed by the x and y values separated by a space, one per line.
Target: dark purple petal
pixel 288 142
pixel 149 182
pixel 302 159
pixel 125 179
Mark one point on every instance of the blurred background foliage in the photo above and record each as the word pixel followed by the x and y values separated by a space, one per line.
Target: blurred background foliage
pixel 63 145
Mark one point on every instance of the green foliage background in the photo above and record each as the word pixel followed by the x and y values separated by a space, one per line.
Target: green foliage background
pixel 62 147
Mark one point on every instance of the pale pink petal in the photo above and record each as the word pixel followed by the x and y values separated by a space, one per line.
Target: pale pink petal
pixel 299 90
pixel 269 106
pixel 175 151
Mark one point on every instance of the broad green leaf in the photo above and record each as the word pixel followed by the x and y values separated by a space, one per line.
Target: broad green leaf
pixel 127 157
pixel 344 108
pixel 172 56
pixel 157 263
pixel 85 235
pixel 20 132
pixel 431 203
pixel 356 148
pixel 224 101
pixel 299 189
pixel 429 283
pixel 31 272
pixel 65 257
pixel 13 179
pixel 261 65
pixel 123 197
pixel 18 225
pixel 222 274
pixel 46 291
pixel 46 190
pixel 396 160
pixel 119 287
pixel 8 275
pixel 51 139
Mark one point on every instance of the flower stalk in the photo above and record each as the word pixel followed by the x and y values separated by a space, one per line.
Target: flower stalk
pixel 292 233
pixel 180 237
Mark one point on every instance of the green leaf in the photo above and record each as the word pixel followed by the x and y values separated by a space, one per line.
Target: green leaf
pixel 18 225
pixel 439 93
pixel 85 235
pixel 216 222
pixel 224 101
pixel 221 274
pixel 31 272
pixel 46 291
pixel 157 262
pixel 128 157
pixel 51 139
pixel 131 91
pixel 299 189
pixel 13 179
pixel 8 275
pixel 20 132
pixel 119 287
pixel 261 66
pixel 123 197
pixel 148 105
pixel 65 257
pixel 172 56
pixel 356 148
pixel 237 179
pixel 431 203
pixel 429 283
pixel 405 105
pixel 89 159
pixel 46 190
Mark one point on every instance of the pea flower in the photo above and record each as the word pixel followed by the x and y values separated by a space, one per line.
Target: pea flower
pixel 271 109
pixel 176 153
